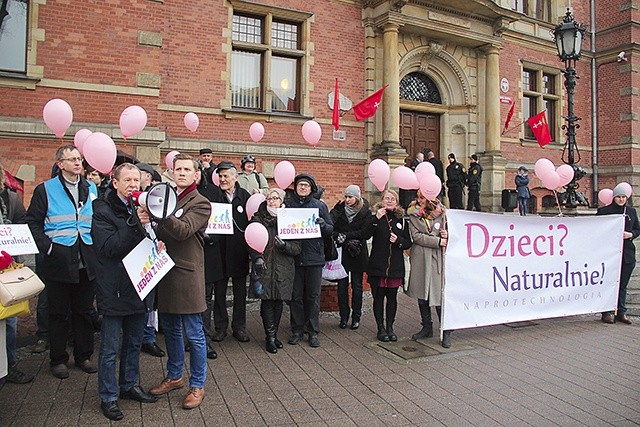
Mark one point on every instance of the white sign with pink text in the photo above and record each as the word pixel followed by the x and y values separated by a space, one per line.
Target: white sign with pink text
pixel 503 268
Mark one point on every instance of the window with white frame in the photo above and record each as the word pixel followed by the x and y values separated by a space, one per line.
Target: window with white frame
pixel 541 91
pixel 539 9
pixel 266 62
pixel 13 35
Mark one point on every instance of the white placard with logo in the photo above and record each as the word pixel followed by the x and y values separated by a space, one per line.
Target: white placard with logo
pixel 298 223
pixel 502 268
pixel 221 219
pixel 16 239
pixel 146 266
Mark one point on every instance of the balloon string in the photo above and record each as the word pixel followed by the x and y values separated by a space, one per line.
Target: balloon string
pixel 558 203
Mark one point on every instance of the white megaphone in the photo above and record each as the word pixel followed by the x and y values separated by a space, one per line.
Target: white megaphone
pixel 161 200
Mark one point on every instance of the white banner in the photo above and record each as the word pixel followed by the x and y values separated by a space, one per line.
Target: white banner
pixel 16 239
pixel 221 219
pixel 298 223
pixel 146 266
pixel 502 268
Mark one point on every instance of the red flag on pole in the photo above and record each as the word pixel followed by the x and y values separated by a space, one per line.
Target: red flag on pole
pixel 540 128
pixel 368 106
pixel 335 120
pixel 509 115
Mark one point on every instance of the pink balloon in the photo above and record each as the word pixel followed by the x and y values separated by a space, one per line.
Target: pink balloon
pixel 256 236
pixel 628 190
pixel 191 121
pixel 379 172
pixel 80 138
pixel 405 178
pixel 550 179
pixel 100 152
pixel 311 132
pixel 543 165
pixel 423 169
pixel 605 196
pixel 57 115
pixel 253 203
pixel 168 160
pixel 215 178
pixel 430 186
pixel 132 120
pixel 256 131
pixel 566 174
pixel 284 173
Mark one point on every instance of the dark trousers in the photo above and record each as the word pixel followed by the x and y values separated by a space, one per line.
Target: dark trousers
pixel 305 301
pixel 76 298
pixel 625 276
pixel 455 198
pixel 206 315
pixel 356 297
pixel 522 206
pixel 220 317
pixel 473 201
pixel 391 295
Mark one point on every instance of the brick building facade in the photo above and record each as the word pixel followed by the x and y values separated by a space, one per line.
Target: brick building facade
pixel 234 62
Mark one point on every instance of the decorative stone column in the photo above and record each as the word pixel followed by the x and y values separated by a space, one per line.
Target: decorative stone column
pixel 492 160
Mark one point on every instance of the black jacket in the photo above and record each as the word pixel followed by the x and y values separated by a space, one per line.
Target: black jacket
pixel 359 230
pixel 114 236
pixel 631 225
pixel 213 270
pixel 62 263
pixel 474 176
pixel 233 248
pixel 386 259
pixel 456 175
pixel 438 166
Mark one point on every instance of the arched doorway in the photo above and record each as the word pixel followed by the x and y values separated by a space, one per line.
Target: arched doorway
pixel 419 130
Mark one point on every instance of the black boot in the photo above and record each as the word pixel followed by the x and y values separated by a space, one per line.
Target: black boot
pixel 427 325
pixel 446 339
pixel 382 334
pixel 267 314
pixel 392 335
pixel 277 316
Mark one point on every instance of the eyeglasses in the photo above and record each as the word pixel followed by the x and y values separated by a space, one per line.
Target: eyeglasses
pixel 271 199
pixel 73 159
pixel 304 184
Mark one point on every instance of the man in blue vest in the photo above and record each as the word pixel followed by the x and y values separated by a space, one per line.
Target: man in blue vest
pixel 59 217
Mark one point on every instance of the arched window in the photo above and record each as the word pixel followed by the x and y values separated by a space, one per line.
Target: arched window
pixel 419 87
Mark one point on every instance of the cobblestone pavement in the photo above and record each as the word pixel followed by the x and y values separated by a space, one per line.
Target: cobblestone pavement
pixel 573 371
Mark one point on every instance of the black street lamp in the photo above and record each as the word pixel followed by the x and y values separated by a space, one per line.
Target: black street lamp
pixel 568 36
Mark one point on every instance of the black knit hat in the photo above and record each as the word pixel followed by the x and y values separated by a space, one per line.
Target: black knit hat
pixel 452 156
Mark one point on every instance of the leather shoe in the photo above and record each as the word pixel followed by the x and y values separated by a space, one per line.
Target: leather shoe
pixel 111 410
pixel 278 343
pixel 152 349
pixel 607 318
pixel 40 347
pixel 166 386
pixel 87 366
pixel 314 341
pixel 194 398
pixel 218 336
pixel 355 324
pixel 241 335
pixel 624 319
pixel 295 339
pixel 211 353
pixel 343 324
pixel 138 394
pixel 60 371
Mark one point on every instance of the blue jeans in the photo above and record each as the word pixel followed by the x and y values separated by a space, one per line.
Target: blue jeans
pixel 356 297
pixel 172 325
pixel 132 329
pixel 12 327
pixel 149 332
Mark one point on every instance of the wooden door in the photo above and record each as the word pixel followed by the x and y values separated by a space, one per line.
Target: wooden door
pixel 419 131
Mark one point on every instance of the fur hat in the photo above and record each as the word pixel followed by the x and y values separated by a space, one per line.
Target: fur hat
pixel 354 191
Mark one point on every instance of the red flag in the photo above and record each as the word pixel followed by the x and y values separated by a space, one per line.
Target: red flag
pixel 368 106
pixel 540 128
pixel 335 120
pixel 509 115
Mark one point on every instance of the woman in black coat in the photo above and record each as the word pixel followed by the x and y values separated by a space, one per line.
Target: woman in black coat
pixel 386 262
pixel 274 268
pixel 351 230
pixel 631 231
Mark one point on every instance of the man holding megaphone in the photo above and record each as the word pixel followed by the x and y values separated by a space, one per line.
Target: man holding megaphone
pixel 181 293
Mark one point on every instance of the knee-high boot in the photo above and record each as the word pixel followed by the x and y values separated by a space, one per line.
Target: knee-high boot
pixel 427 325
pixel 446 335
pixel 277 316
pixel 267 313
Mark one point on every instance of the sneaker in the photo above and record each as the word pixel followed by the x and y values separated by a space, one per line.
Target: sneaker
pixel 40 346
pixel 16 376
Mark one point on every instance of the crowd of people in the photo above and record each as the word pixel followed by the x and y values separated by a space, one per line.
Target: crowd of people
pixel 84 223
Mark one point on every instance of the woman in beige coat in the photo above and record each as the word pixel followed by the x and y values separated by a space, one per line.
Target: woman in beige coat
pixel 427 225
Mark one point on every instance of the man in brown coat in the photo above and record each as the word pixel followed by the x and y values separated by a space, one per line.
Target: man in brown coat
pixel 181 296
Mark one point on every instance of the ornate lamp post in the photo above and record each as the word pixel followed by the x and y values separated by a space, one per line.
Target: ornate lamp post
pixel 568 36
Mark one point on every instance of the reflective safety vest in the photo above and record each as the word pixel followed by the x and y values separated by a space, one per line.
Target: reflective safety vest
pixel 64 222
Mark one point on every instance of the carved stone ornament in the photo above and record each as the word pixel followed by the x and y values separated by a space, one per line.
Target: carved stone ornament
pixel 345 104
pixel 500 25
pixel 397 5
pixel 434 50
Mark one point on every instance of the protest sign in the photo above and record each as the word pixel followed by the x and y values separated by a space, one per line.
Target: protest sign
pixel 221 219
pixel 146 266
pixel 298 223
pixel 16 239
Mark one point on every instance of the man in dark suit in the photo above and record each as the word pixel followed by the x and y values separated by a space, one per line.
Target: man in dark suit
pixel 456 179
pixel 439 167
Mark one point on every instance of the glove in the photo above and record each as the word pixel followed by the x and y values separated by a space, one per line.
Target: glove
pixel 279 243
pixel 321 222
pixel 258 265
pixel 340 238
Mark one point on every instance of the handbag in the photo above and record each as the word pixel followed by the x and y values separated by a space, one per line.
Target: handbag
pixel 18 284
pixel 20 309
pixel 330 249
pixel 333 270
